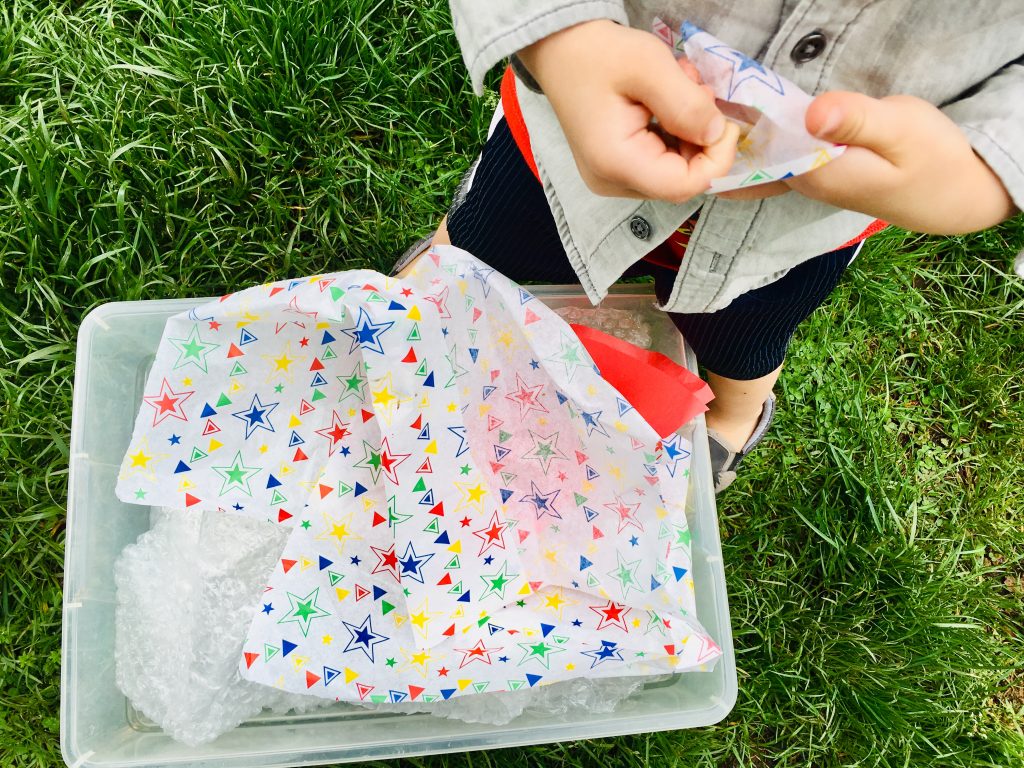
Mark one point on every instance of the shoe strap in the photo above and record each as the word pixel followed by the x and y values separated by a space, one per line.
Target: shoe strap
pixel 767 416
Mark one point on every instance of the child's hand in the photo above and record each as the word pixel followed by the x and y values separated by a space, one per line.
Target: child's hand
pixel 906 163
pixel 605 82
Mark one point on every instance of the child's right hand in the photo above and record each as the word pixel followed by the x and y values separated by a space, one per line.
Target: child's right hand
pixel 605 82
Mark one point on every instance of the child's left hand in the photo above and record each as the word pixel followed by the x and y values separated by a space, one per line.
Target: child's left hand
pixel 906 163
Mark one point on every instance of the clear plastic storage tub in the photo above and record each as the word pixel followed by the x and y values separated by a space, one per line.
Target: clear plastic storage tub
pixel 99 727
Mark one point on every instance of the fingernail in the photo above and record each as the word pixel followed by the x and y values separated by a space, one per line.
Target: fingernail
pixel 714 130
pixel 832 120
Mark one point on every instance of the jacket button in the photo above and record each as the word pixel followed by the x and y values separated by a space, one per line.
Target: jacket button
pixel 809 47
pixel 640 227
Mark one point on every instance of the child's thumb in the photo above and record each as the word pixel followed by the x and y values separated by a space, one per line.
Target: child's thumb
pixel 683 108
pixel 852 118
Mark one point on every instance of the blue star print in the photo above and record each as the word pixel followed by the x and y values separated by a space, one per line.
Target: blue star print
pixel 363 638
pixel 543 503
pixel 483 275
pixel 673 454
pixel 257 417
pixel 460 432
pixel 412 564
pixel 366 333
pixel 740 64
pixel 688 30
pixel 608 650
pixel 593 425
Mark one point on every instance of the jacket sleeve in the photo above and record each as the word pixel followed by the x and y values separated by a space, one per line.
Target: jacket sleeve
pixel 491 30
pixel 992 117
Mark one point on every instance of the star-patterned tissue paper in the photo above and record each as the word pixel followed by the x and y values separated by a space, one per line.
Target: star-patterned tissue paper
pixel 473 505
pixel 774 143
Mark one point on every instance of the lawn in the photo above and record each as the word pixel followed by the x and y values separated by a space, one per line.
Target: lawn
pixel 874 547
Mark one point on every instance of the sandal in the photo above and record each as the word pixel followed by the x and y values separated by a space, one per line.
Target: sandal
pixel 411 253
pixel 724 460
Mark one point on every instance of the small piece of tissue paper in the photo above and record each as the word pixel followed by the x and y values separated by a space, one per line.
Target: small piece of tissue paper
pixel 774 144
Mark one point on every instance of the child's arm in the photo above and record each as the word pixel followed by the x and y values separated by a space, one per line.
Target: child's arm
pixel 605 81
pixel 490 31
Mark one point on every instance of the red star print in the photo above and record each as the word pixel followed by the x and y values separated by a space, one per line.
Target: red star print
pixel 442 672
pixel 389 461
pixel 613 613
pixel 407 292
pixel 626 513
pixel 214 325
pixel 387 562
pixel 465 522
pixel 477 653
pixel 527 398
pixel 440 300
pixel 492 536
pixel 293 306
pixel 303 342
pixel 168 403
pixel 335 433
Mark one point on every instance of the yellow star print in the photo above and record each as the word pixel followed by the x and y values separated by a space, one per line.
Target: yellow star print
pixel 338 529
pixel 140 459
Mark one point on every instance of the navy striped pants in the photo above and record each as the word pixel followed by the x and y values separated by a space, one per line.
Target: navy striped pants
pixel 504 220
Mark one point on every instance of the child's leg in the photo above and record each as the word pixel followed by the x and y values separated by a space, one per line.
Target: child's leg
pixel 736 409
pixel 441 236
pixel 742 346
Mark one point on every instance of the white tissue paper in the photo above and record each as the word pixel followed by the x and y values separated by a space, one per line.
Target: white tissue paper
pixel 774 144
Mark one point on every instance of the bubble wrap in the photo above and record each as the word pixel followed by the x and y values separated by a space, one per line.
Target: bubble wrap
pixel 185 596
pixel 186 591
pixel 622 323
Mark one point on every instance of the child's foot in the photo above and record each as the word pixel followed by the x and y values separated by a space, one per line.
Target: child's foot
pixel 726 457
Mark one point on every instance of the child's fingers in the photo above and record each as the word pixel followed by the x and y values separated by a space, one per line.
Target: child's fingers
pixel 684 108
pixel 716 160
pixel 859 179
pixel 689 69
pixel 655 172
pixel 880 125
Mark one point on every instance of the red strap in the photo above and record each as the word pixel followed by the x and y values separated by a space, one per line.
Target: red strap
pixel 665 393
pixel 514 118
pixel 874 227
pixel 670 253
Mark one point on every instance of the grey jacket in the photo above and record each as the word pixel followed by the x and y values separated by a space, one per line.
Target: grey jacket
pixel 966 57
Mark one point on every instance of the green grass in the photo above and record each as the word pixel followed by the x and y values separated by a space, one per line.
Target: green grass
pixel 874 547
